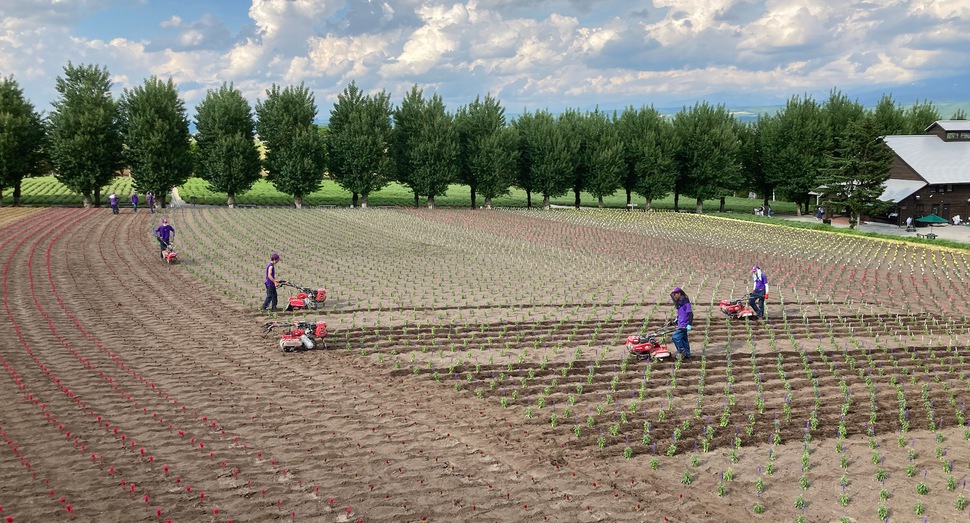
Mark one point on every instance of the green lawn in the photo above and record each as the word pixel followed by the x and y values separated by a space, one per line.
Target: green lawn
pixel 46 190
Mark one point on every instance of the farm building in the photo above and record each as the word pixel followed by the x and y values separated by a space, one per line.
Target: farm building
pixel 930 172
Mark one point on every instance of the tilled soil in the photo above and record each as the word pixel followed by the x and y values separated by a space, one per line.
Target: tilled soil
pixel 133 392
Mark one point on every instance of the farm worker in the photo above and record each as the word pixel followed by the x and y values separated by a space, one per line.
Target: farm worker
pixel 759 293
pixel 134 200
pixel 150 198
pixel 271 282
pixel 685 316
pixel 113 201
pixel 165 234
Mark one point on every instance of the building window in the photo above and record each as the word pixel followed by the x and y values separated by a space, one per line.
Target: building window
pixel 964 135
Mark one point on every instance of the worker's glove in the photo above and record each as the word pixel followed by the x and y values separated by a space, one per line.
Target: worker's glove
pixel 766 296
pixel 688 328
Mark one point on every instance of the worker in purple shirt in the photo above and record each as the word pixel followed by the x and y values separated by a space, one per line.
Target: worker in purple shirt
pixel 113 202
pixel 165 234
pixel 759 293
pixel 150 198
pixel 134 201
pixel 271 282
pixel 685 317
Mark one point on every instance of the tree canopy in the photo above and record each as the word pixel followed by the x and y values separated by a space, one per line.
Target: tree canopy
pixel 155 130
pixel 295 151
pixel 84 137
pixel 228 158
pixel 22 137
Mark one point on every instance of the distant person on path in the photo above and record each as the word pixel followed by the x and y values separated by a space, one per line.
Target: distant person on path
pixel 165 234
pixel 271 283
pixel 150 198
pixel 759 293
pixel 909 222
pixel 113 202
pixel 685 317
pixel 134 201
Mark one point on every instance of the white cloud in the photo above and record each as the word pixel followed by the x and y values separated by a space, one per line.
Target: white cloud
pixel 528 52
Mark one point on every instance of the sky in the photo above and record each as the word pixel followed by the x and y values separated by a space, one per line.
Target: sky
pixel 529 54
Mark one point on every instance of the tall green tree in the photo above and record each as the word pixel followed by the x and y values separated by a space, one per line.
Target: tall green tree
pixel 523 127
pixel 155 130
pixel 496 162
pixel 889 117
pixel 921 115
pixel 225 133
pixel 794 145
pixel 604 157
pixel 83 129
pixel 648 154
pixel 427 142
pixel 857 175
pixel 22 138
pixel 482 136
pixel 571 123
pixel 549 150
pixel 295 151
pixel 706 152
pixel 359 141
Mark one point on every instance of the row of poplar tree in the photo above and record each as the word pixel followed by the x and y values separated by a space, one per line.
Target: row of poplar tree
pixel 702 152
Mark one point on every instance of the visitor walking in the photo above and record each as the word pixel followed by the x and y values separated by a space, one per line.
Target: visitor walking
pixel 113 202
pixel 150 199
pixel 134 201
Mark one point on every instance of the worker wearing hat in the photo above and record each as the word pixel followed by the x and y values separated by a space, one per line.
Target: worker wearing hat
pixel 165 234
pixel 759 293
pixel 685 317
pixel 271 283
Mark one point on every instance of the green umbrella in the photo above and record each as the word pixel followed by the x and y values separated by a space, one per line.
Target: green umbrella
pixel 931 219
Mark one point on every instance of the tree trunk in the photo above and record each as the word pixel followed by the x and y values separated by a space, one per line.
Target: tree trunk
pixel 545 201
pixel 722 204
pixel 86 200
pixel 431 201
pixel 676 201
pixel 528 199
pixel 353 200
pixel 798 209
pixel 161 200
pixel 417 203
pixel 647 204
pixel 488 202
pixel 16 194
pixel 599 202
pixel 363 201
pixel 576 192
pixel 700 206
pixel 629 198
pixel 473 197
pixel 231 200
pixel 298 201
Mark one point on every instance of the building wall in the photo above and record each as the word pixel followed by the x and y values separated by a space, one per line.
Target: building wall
pixel 943 204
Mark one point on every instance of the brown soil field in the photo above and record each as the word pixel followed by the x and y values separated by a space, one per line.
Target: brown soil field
pixel 474 371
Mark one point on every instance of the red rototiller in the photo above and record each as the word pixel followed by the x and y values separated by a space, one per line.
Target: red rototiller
pixel 305 298
pixel 169 254
pixel 738 308
pixel 648 346
pixel 299 335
